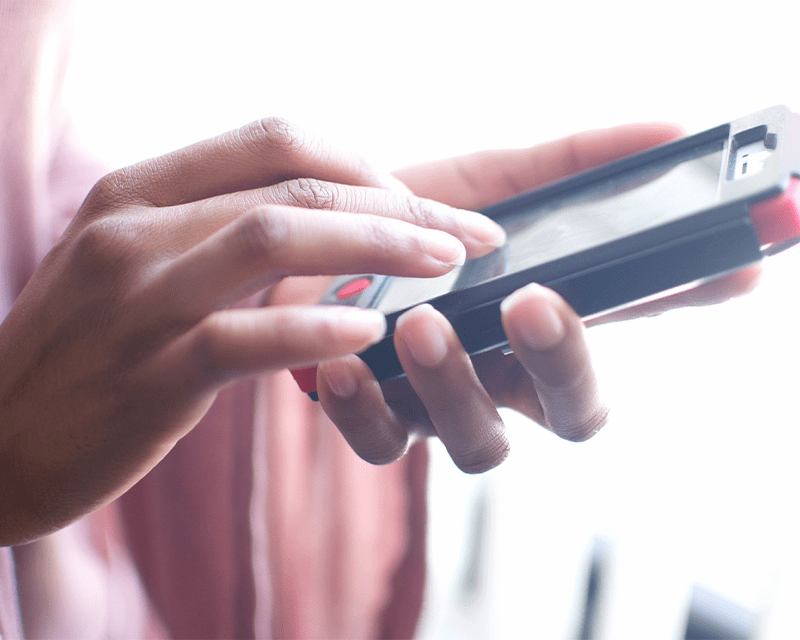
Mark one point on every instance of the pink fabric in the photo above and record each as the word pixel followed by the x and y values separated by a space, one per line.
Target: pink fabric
pixel 333 560
pixel 261 522
pixel 10 626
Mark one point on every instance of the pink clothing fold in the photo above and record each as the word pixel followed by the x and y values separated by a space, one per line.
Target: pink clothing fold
pixel 10 625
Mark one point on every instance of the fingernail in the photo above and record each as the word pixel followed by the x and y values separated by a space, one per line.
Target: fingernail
pixel 361 326
pixel 536 321
pixel 423 336
pixel 444 247
pixel 340 379
pixel 481 229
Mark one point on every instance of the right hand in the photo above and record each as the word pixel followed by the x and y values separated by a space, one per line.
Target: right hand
pixel 549 378
pixel 121 340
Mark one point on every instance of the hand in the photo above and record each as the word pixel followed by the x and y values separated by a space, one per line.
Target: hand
pixel 123 337
pixel 549 378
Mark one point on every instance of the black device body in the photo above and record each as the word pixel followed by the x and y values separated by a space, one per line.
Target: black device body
pixel 672 215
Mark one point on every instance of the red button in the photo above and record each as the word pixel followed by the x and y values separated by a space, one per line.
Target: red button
pixel 353 288
pixel 306 379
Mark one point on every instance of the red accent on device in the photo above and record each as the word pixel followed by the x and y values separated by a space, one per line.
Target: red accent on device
pixel 306 379
pixel 353 288
pixel 777 220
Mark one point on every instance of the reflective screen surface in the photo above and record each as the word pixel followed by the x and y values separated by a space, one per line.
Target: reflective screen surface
pixel 597 213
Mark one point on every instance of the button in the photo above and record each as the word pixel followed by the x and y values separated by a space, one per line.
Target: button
pixel 306 379
pixel 353 288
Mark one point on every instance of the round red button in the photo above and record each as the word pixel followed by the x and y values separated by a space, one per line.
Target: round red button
pixel 353 288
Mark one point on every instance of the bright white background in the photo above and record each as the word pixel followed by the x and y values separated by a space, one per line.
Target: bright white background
pixel 695 479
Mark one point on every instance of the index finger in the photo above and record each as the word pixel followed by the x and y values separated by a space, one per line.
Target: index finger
pixel 259 154
pixel 480 179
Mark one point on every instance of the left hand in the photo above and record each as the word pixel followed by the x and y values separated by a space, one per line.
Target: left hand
pixel 549 378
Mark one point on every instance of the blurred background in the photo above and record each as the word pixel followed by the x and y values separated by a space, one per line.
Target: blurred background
pixel 687 499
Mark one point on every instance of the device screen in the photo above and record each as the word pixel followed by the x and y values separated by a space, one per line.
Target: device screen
pixel 597 213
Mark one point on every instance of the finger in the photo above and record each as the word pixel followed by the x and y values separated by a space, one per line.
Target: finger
pixel 548 339
pixel 479 234
pixel 713 292
pixel 352 398
pixel 270 243
pixel 477 180
pixel 261 153
pixel 441 373
pixel 240 342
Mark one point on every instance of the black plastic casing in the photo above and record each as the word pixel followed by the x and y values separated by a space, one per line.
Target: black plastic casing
pixel 702 245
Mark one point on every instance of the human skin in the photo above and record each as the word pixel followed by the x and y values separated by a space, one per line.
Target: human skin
pixel 120 342
pixel 549 378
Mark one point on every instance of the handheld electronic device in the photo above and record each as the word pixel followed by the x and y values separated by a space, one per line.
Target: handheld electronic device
pixel 676 214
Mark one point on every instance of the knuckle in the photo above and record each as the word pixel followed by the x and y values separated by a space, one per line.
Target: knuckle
pixel 277 135
pixel 420 211
pixel 111 190
pixel 310 193
pixel 104 246
pixel 263 233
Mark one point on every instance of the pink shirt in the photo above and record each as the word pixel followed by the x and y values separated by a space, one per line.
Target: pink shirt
pixel 261 522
